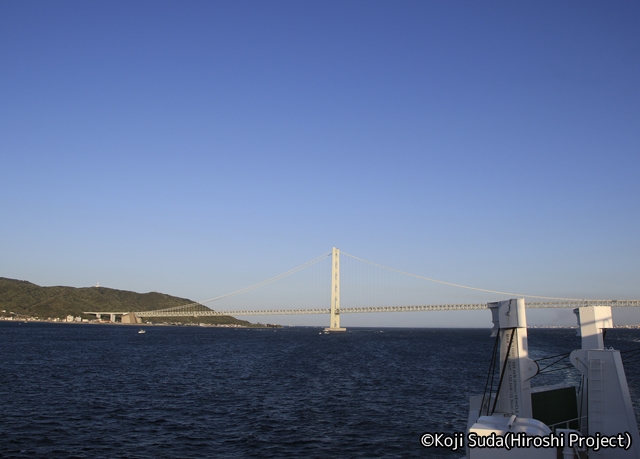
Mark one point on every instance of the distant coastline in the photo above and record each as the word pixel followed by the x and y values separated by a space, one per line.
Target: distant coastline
pixel 23 300
pixel 145 324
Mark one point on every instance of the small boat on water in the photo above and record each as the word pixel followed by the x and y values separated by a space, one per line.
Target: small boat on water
pixel 142 330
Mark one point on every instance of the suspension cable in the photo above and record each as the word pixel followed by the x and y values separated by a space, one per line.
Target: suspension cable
pixel 251 287
pixel 459 285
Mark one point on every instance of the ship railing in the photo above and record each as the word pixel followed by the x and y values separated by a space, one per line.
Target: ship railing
pixel 581 420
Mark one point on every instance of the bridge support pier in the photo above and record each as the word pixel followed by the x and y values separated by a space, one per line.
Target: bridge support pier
pixel 130 318
pixel 334 325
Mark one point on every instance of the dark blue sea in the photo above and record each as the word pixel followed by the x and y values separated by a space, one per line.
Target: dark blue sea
pixel 105 391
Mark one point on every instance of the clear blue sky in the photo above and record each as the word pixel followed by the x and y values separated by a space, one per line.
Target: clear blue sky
pixel 194 148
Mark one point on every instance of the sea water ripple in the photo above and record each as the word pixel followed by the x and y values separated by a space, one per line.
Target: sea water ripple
pixel 104 391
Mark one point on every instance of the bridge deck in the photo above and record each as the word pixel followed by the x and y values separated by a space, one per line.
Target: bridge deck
pixel 203 311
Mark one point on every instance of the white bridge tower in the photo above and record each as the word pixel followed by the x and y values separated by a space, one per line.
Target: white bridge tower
pixel 334 325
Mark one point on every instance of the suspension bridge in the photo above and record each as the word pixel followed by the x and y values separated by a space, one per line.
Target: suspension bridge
pixel 363 292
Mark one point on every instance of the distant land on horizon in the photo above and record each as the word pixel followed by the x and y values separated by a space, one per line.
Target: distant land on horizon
pixel 25 298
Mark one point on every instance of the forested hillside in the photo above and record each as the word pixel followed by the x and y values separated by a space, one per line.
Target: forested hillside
pixel 26 298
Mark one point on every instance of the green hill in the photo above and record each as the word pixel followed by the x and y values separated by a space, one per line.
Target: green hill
pixel 22 297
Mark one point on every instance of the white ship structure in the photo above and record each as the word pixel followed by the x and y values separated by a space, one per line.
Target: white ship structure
pixel 513 420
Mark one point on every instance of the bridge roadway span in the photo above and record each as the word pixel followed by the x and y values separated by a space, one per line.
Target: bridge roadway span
pixel 176 312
